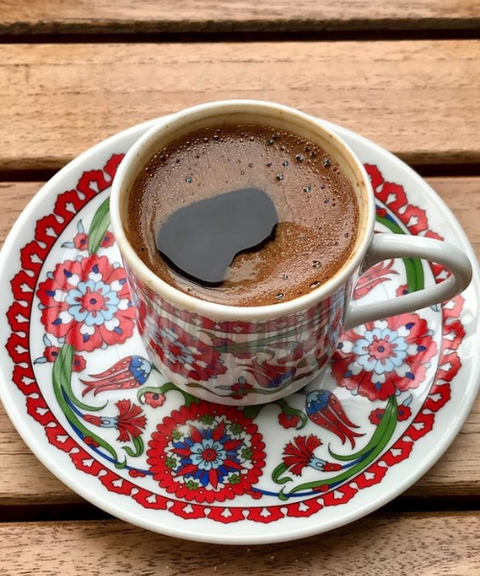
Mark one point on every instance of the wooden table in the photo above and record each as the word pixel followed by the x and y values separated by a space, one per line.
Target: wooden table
pixel 405 74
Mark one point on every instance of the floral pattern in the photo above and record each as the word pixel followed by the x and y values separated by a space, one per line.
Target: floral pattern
pixel 81 239
pixel 127 373
pixel 288 420
pixel 380 359
pixel 184 354
pixel 325 410
pixel 404 412
pixel 206 453
pixel 130 421
pixel 203 453
pixel 154 399
pixel 376 416
pixel 86 302
pixel 194 351
pixel 300 453
pixel 51 353
pixel 382 272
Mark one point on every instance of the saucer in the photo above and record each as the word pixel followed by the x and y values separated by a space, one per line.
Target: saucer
pixel 79 387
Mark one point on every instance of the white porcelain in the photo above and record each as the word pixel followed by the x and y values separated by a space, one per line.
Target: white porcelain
pixel 420 397
pixel 280 327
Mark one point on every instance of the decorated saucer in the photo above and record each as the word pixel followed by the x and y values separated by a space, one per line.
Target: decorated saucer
pixel 78 385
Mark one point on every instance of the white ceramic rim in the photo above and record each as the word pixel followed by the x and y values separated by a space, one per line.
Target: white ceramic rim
pixel 111 503
pixel 141 151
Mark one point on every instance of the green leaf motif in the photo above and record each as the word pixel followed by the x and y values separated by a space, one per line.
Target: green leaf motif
pixel 207 419
pixel 61 381
pixel 277 473
pixel 235 479
pixel 99 226
pixel 139 448
pixel 287 409
pixel 171 462
pixel 247 453
pixel 236 428
pixel 390 418
pixel 413 266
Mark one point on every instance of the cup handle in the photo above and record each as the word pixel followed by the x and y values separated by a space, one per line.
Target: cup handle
pixel 385 246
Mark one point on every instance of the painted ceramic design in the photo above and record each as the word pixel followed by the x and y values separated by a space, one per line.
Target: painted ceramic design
pixel 235 359
pixel 136 445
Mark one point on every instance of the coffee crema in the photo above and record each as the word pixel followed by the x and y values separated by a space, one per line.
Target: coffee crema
pixel 242 215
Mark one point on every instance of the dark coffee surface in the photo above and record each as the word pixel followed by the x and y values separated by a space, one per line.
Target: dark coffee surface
pixel 315 205
pixel 219 229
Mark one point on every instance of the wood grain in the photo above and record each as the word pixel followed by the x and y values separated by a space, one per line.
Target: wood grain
pixel 104 16
pixel 418 99
pixel 445 544
pixel 24 481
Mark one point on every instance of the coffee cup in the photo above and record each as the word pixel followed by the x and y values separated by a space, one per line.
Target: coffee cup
pixel 246 355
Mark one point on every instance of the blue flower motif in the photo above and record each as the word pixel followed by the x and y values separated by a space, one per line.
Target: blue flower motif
pixel 208 455
pixel 381 350
pixel 92 302
pixel 140 369
pixel 173 348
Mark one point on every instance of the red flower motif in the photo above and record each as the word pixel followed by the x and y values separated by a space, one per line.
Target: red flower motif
pixel 404 413
pixel 154 399
pixel 376 275
pixel 87 303
pixel 51 353
pixel 130 421
pixel 324 409
pixel 127 373
pixel 78 363
pixel 300 453
pixel 80 241
pixel 288 420
pixel 379 358
pixel 108 240
pixel 376 416
pixel 206 452
pixel 240 389
pixel 184 354
pixel 270 375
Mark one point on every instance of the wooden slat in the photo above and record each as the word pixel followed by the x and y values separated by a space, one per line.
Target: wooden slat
pixel 418 99
pixel 23 480
pixel 445 544
pixel 13 198
pixel 50 16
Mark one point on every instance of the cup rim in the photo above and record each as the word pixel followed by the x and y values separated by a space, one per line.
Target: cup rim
pixel 137 154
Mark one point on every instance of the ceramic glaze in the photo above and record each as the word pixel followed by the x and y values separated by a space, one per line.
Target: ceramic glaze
pixel 78 384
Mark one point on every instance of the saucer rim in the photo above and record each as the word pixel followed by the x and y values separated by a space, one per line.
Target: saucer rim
pixel 282 535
